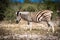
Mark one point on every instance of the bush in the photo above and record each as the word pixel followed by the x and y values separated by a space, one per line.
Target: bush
pixel 29 8
pixel 10 14
pixel 54 15
pixel 10 11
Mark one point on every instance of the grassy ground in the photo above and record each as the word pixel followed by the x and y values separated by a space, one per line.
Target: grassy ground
pixel 38 29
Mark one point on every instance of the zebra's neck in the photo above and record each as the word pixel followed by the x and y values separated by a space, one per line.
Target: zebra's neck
pixel 26 17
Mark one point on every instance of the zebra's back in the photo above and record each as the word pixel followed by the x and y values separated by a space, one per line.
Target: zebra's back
pixel 45 14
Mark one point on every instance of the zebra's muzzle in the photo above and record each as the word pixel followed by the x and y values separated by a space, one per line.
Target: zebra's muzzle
pixel 17 21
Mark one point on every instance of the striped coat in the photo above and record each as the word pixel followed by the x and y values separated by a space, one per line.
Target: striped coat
pixel 44 15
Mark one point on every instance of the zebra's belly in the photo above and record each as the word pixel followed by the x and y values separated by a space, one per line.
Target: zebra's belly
pixel 37 21
pixel 34 20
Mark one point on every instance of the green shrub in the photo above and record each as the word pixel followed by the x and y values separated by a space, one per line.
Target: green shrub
pixel 10 11
pixel 29 8
pixel 10 14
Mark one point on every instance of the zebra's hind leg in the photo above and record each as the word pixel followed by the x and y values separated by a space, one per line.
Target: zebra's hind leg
pixel 51 25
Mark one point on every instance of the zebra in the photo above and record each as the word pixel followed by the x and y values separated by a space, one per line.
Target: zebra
pixel 43 15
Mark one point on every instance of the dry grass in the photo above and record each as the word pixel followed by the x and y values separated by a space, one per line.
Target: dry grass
pixel 22 29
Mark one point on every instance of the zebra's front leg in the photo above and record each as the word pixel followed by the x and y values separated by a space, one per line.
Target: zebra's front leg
pixel 30 25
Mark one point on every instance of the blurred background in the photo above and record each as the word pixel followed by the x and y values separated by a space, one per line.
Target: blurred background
pixel 8 9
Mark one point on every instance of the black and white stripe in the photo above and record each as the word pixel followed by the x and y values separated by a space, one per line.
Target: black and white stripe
pixel 40 15
pixel 36 17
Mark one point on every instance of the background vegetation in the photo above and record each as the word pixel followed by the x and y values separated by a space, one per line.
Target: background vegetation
pixel 8 9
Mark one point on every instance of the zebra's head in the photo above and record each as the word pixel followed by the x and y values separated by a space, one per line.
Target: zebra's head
pixel 18 16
